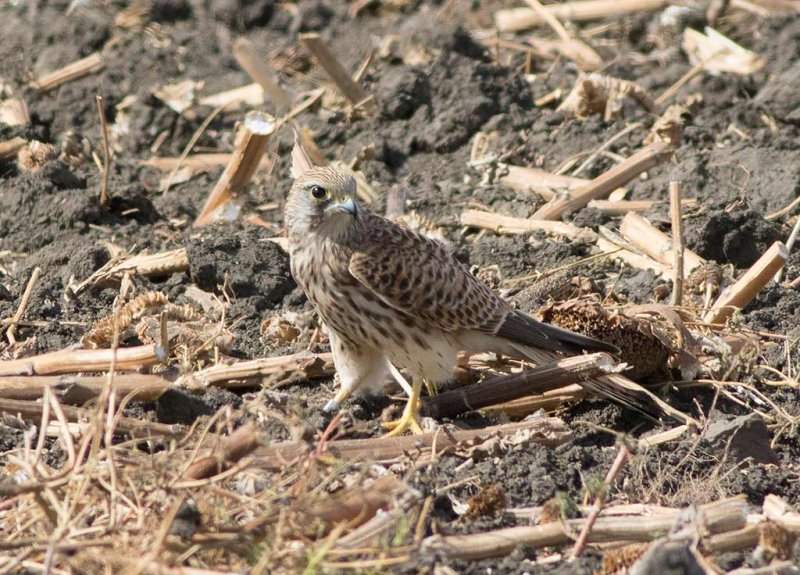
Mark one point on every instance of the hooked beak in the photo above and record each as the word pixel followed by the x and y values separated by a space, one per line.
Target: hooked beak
pixel 348 206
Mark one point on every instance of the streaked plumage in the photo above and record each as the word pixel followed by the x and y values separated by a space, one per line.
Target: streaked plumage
pixel 389 294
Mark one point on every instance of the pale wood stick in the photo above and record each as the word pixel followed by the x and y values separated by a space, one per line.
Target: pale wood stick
pixel 675 191
pixel 543 183
pixel 351 90
pixel 101 110
pixel 639 261
pixel 81 360
pixel 546 431
pixel 197 162
pixel 591 519
pixel 655 243
pixel 548 401
pixel 509 387
pixel 516 19
pixel 241 442
pixel 622 207
pixel 9 148
pixel 162 263
pixel 233 99
pixel 246 54
pixel 14 112
pixel 23 305
pixel 510 225
pixel 77 390
pixel 744 538
pixel 74 71
pixel 269 371
pixel 250 147
pixel 646 158
pixel 575 49
pixel 747 287
pixel 503 541
pixel 32 411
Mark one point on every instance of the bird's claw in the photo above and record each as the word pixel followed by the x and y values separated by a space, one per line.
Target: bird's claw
pixel 409 420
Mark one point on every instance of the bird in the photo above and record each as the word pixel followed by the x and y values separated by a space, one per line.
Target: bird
pixel 392 298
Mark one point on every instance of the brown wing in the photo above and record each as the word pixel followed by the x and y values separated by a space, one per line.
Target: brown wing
pixel 422 278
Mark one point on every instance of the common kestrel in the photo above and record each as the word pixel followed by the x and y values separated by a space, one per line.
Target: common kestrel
pixel 389 295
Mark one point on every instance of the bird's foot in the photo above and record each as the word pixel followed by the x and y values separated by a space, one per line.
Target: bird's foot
pixel 331 406
pixel 409 420
pixel 336 402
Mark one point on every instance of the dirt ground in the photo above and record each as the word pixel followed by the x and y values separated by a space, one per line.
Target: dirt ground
pixel 739 158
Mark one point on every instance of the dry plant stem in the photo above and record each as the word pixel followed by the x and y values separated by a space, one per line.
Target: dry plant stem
pixel 548 401
pixel 247 56
pixel 509 387
pixel 616 467
pixel 80 360
pixel 789 246
pixel 640 261
pixel 14 112
pixel 354 93
pixel 540 182
pixel 101 110
pixel 622 207
pixel 23 305
pixel 582 54
pixel 251 145
pixel 77 390
pixel 271 371
pixel 162 263
pixel 9 148
pixel 195 162
pixel 232 100
pixel 675 191
pixel 501 224
pixel 619 175
pixel 655 243
pixel 240 443
pixel 745 538
pixel 32 411
pixel 74 71
pixel 747 287
pixel 548 431
pixel 719 519
pixel 516 19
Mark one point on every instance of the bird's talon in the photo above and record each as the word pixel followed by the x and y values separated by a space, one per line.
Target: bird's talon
pixel 409 420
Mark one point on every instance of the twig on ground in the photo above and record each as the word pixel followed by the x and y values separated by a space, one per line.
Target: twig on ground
pixel 675 190
pixel 584 56
pixel 23 305
pixel 270 371
pixel 643 160
pixel 510 225
pixel 510 387
pixel 240 443
pixel 516 19
pixel 719 519
pixel 747 287
pixel 74 71
pixel 355 94
pixel 246 54
pixel 655 243
pixel 162 263
pixel 234 99
pixel 250 147
pixel 600 499
pixel 77 389
pixel 68 361
pixel 101 110
pixel 32 411
pixel 622 207
pixel 546 431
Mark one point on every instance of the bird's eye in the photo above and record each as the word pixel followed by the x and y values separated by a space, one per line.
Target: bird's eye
pixel 318 192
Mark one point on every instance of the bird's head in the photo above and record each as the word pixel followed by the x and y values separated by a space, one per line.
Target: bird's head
pixel 322 201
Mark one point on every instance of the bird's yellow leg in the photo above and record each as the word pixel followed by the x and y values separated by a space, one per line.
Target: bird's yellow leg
pixel 338 399
pixel 410 417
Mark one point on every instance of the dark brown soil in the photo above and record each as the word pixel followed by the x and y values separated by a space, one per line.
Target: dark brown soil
pixel 421 137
